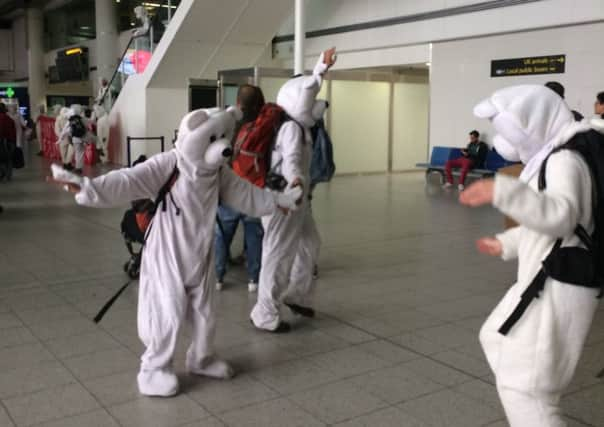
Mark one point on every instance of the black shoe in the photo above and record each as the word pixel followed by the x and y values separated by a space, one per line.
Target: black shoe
pixel 67 166
pixel 302 311
pixel 282 328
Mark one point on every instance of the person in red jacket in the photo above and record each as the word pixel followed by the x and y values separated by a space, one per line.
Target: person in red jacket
pixel 8 139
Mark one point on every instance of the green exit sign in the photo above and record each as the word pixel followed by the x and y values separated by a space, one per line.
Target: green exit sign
pixel 8 92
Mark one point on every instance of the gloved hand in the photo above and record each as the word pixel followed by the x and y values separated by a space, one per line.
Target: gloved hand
pixel 70 181
pixel 289 198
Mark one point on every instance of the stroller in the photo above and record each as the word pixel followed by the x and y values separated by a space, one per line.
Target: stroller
pixel 134 224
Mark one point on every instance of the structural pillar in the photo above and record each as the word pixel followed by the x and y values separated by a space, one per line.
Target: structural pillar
pixel 106 39
pixel 299 37
pixel 35 55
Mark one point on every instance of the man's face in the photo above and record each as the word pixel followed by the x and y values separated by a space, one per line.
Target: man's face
pixel 473 138
pixel 599 107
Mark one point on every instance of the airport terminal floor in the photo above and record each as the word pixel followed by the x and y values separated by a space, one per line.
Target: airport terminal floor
pixel 401 296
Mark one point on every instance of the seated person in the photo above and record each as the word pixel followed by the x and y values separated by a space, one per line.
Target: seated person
pixel 599 105
pixel 473 156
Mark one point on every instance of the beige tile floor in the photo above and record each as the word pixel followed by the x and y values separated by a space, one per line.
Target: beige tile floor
pixel 401 296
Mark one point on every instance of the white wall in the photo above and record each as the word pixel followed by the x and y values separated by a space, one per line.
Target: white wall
pixel 127 118
pixel 165 109
pixel 460 75
pixel 359 125
pixel 403 43
pixel 409 124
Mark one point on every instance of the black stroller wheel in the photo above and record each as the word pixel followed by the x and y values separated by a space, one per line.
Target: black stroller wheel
pixel 127 267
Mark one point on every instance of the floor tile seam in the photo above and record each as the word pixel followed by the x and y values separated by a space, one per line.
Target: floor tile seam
pixel 375 411
pixel 316 417
pixel 8 414
pixel 74 415
pixel 216 414
pixel 579 420
pixel 79 382
pixel 429 357
pixel 397 238
pixel 72 280
pixel 221 414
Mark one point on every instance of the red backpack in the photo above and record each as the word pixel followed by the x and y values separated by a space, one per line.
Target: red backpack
pixel 252 150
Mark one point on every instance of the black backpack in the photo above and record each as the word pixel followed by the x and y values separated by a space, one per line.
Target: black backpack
pixel 573 265
pixel 77 127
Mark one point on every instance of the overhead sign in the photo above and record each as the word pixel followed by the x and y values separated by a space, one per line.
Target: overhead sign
pixel 9 92
pixel 551 64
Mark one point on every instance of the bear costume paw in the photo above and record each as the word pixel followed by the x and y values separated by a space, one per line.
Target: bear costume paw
pixel 213 368
pixel 161 383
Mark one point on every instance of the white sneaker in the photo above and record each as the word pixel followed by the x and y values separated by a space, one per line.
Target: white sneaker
pixel 219 286
pixel 461 187
pixel 447 185
pixel 252 287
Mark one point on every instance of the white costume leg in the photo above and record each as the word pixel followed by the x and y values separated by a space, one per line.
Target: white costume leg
pixel 536 361
pixel 65 151
pixel 279 246
pixel 79 149
pixel 301 282
pixel 202 317
pixel 159 320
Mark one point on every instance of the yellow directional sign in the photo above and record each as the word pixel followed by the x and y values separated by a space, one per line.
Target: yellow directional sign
pixel 551 64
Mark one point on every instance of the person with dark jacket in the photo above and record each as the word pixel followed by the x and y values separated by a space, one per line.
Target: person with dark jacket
pixel 559 89
pixel 8 140
pixel 473 156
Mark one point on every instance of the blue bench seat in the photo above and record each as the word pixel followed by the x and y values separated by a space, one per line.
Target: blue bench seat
pixel 440 156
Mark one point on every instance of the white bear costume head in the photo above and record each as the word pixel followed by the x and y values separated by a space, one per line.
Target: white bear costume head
pixel 76 109
pixel 204 140
pixel 298 96
pixel 530 121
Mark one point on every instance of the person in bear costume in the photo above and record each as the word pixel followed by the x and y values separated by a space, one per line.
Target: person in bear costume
pixel 63 140
pixel 291 242
pixel 77 143
pixel 177 271
pixel 535 361
pixel 102 133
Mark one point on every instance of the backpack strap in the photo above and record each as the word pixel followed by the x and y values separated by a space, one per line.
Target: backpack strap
pixel 165 189
pixel 161 199
pixel 530 293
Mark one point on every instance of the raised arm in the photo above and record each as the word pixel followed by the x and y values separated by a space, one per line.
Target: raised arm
pixel 554 211
pixel 127 184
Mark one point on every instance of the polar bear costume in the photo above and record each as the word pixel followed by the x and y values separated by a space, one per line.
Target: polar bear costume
pixel 291 243
pixel 102 132
pixel 78 144
pixel 177 275
pixel 63 141
pixel 534 363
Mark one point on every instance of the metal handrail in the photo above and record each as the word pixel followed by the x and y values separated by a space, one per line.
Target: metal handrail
pixel 117 69
pixel 121 60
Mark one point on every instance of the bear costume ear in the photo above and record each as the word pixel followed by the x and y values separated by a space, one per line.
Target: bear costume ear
pixel 194 119
pixel 485 109
pixel 236 113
